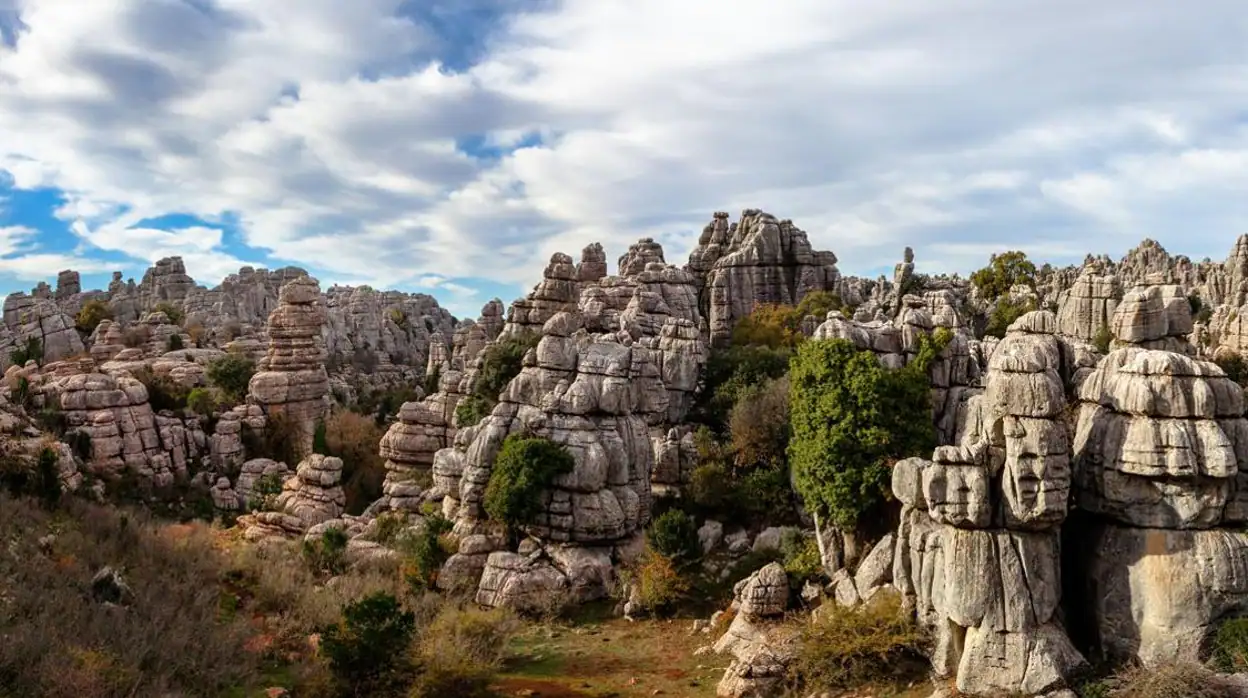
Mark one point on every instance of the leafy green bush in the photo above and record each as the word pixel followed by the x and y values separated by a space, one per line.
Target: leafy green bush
pixel 1230 646
pixel 1006 311
pixel 264 491
pixel 471 410
pixel 846 646
pixel 163 393
pixel 732 371
pixel 851 417
pixel 1104 337
pixel 1004 271
pixel 1234 366
pixel 432 379
pixel 674 535
pixel 203 401
pixel 91 314
pixel 759 424
pixel 174 343
pixel 30 350
pixel 423 553
pixel 175 314
pixel 367 649
pixel 524 468
pixel 801 557
pixel 327 554
pixel 231 374
pixel 79 441
pixel 501 362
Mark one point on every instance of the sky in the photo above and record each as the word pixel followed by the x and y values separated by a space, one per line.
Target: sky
pixel 451 146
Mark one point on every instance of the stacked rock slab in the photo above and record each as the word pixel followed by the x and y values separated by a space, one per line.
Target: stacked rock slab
pixel 1153 317
pixel 1084 311
pixel 1161 462
pixel 313 496
pixel 126 436
pixel 755 261
pixel 596 395
pixel 291 380
pixel 558 292
pixel 761 647
pixel 33 318
pixel 978 549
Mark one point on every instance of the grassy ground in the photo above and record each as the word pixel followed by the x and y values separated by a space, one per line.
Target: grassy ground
pixel 611 657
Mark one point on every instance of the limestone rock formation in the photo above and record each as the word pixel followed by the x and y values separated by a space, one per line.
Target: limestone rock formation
pixel 758 260
pixel 291 380
pixel 313 496
pixel 978 550
pixel 558 292
pixel 761 648
pixel 39 319
pixel 1085 310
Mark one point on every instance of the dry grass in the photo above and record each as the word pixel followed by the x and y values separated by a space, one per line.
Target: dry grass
pixel 845 647
pixel 56 640
pixel 1174 680
pixel 461 651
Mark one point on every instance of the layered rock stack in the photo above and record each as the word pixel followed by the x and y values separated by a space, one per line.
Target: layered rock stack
pixel 1161 462
pixel 1153 317
pixel 596 395
pixel 313 496
pixel 760 645
pixel 1085 310
pixel 558 292
pixel 126 437
pixel 758 260
pixel 978 550
pixel 292 381
pixel 29 317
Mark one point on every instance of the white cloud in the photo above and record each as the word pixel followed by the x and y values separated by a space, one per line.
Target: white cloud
pixel 20 259
pixel 956 127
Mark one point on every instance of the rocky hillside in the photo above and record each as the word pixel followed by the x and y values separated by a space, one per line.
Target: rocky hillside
pixel 1020 480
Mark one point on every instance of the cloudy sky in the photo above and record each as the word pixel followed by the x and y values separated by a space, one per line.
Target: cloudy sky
pixel 451 146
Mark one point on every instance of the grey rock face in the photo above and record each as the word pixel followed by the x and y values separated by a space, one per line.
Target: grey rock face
pixel 977 551
pixel 28 317
pixel 758 260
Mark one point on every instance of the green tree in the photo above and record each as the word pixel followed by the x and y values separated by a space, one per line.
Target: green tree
pixel 1004 314
pixel 231 374
pixel 525 466
pixel 674 535
pixel 1003 272
pixel 851 418
pixel 92 313
pixel 367 649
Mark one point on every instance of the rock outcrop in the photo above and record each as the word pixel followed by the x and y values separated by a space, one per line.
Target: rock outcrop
pixel 978 548
pixel 291 380
pixel 761 647
pixel 758 260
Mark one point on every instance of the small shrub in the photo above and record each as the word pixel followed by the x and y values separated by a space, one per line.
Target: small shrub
pixel 162 392
pixel 388 527
pixel 846 647
pixel 432 379
pixel 79 442
pixel 52 420
pixel 659 584
pixel 198 334
pixel 1234 366
pixel 92 313
pixel 1230 646
pixel 764 494
pixel 136 336
pixel 759 424
pixel 30 350
pixel 1205 315
pixel 711 487
pixel 500 363
pixel 22 394
pixel 366 649
pixel 801 557
pixel 203 401
pixel 423 553
pixel 524 468
pixel 264 491
pixel 174 343
pixel 48 479
pixel 327 554
pixel 355 439
pixel 1006 311
pixel 231 374
pixel 471 410
pixel 281 440
pixel 1172 680
pixel 1104 337
pixel 461 651
pixel 175 314
pixel 674 535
